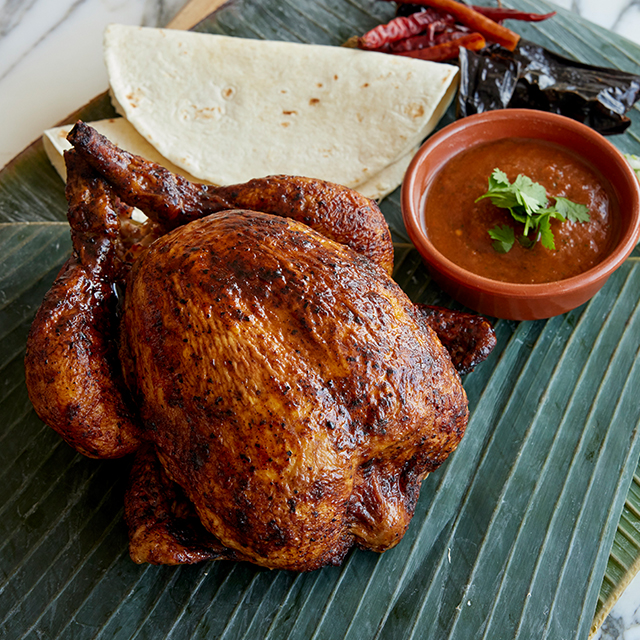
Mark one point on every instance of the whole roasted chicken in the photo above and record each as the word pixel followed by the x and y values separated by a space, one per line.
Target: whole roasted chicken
pixel 285 399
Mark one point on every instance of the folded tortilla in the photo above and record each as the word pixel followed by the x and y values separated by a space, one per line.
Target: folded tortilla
pixel 122 134
pixel 227 109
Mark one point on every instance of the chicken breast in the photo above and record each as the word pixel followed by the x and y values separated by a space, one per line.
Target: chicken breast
pixel 288 387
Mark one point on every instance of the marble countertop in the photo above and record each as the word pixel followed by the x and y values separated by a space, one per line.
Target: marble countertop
pixel 51 63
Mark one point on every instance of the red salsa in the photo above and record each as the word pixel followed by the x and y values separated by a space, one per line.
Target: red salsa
pixel 458 226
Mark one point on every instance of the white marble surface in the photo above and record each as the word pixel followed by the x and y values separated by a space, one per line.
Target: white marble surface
pixel 623 623
pixel 51 63
pixel 51 59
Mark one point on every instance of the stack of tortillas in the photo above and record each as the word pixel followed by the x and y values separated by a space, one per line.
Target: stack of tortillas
pixel 224 110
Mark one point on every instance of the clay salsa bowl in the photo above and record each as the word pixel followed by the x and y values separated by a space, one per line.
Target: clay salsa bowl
pixel 518 301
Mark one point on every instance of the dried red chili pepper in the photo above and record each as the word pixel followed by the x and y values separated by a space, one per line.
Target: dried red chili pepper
pixel 450 34
pixel 399 28
pixel 490 29
pixel 437 32
pixel 447 50
pixel 501 13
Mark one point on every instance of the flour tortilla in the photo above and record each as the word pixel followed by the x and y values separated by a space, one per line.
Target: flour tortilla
pixel 123 134
pixel 228 109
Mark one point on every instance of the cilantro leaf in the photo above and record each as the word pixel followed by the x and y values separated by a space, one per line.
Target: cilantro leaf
pixel 552 212
pixel 528 204
pixel 572 211
pixel 499 178
pixel 503 237
pixel 501 197
pixel 545 233
pixel 526 242
pixel 531 195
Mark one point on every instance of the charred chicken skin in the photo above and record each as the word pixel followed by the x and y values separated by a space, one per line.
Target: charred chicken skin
pixel 285 399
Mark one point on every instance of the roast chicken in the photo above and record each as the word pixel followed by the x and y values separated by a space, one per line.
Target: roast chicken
pixel 282 395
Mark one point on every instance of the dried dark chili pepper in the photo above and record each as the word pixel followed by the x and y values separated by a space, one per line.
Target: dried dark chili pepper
pixel 447 50
pixel 501 13
pixel 534 78
pixel 477 22
pixel 397 29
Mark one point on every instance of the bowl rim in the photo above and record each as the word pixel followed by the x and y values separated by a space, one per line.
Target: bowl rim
pixel 411 185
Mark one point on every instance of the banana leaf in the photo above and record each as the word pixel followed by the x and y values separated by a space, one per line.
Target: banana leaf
pixel 528 531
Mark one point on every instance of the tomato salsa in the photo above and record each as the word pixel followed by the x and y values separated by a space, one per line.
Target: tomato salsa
pixel 458 226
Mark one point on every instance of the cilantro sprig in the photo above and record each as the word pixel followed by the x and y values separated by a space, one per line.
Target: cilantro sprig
pixel 528 204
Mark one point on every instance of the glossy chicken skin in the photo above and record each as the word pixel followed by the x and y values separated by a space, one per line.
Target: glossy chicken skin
pixel 280 373
pixel 289 395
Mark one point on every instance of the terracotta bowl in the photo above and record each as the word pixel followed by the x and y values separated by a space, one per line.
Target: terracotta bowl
pixel 504 299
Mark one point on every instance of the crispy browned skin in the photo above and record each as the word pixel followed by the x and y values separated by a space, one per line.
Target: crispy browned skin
pixel 71 366
pixel 164 528
pixel 287 387
pixel 337 212
pixel 469 338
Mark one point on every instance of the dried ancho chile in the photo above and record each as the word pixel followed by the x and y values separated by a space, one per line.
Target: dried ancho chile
pixel 534 78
